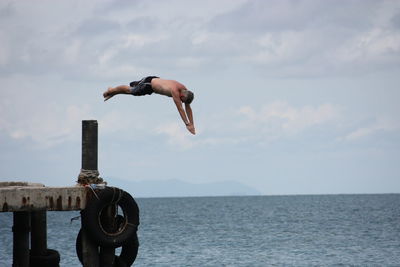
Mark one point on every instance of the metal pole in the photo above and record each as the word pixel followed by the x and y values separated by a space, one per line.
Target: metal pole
pixel 90 251
pixel 39 233
pixel 21 230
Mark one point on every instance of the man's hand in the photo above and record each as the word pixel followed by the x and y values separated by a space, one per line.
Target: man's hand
pixel 191 129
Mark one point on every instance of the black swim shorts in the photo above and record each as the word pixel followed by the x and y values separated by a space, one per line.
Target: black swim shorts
pixel 142 87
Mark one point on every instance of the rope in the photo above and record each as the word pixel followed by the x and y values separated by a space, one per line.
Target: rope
pixel 90 186
pixel 75 218
pixel 88 174
pixel 117 195
pixel 133 225
pixel 121 193
pixel 89 177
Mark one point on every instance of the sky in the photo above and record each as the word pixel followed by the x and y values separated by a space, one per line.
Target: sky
pixel 291 97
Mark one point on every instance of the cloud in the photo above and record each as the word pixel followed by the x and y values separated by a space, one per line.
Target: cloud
pixel 43 110
pixel 7 9
pixel 280 119
pixel 181 139
pixel 284 48
pixel 177 135
pixel 395 21
pixel 290 38
pixel 287 15
pixel 380 125
pixel 258 125
pixel 127 127
pixel 97 26
pixel 190 62
pixel 50 126
pixel 375 46
pixel 309 38
pixel 109 40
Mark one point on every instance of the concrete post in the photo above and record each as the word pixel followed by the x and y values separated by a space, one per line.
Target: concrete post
pixel 89 144
pixel 90 251
pixel 21 230
pixel 89 173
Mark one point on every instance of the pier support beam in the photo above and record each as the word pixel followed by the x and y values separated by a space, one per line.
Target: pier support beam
pixel 21 228
pixel 39 233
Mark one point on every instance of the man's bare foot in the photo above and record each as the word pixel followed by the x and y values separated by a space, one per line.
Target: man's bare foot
pixel 108 94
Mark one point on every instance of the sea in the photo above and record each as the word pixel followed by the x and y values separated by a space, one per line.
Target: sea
pixel 300 230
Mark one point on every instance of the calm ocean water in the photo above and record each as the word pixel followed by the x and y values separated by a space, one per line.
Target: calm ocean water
pixel 320 230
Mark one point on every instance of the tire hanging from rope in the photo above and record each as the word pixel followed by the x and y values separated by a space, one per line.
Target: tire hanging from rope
pixel 128 254
pixel 123 233
pixel 50 259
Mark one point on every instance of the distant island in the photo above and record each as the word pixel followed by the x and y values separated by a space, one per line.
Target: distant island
pixel 178 188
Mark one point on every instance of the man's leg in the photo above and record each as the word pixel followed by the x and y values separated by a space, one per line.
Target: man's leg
pixel 112 91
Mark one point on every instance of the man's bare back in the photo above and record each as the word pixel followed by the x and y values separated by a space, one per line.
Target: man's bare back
pixel 164 87
pixel 171 88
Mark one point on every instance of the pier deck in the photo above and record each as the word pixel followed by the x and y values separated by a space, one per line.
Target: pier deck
pixel 21 196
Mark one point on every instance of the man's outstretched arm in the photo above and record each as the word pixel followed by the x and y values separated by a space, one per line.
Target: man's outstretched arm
pixel 189 114
pixel 182 113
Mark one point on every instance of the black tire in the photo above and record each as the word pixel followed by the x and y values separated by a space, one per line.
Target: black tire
pixel 92 223
pixel 78 246
pixel 50 259
pixel 128 253
pixel 119 262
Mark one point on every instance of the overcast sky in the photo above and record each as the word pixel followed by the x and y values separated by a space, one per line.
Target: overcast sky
pixel 291 97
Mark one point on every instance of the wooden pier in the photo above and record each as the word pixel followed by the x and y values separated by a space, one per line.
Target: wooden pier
pixel 29 203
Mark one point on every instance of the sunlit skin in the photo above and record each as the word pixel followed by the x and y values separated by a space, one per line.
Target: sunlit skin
pixel 165 87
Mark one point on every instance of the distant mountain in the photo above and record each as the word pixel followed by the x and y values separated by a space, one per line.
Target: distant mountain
pixel 178 188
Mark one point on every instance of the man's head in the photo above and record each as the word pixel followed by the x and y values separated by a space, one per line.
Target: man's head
pixel 187 96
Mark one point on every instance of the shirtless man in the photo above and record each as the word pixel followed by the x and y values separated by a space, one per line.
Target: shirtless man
pixel 152 84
